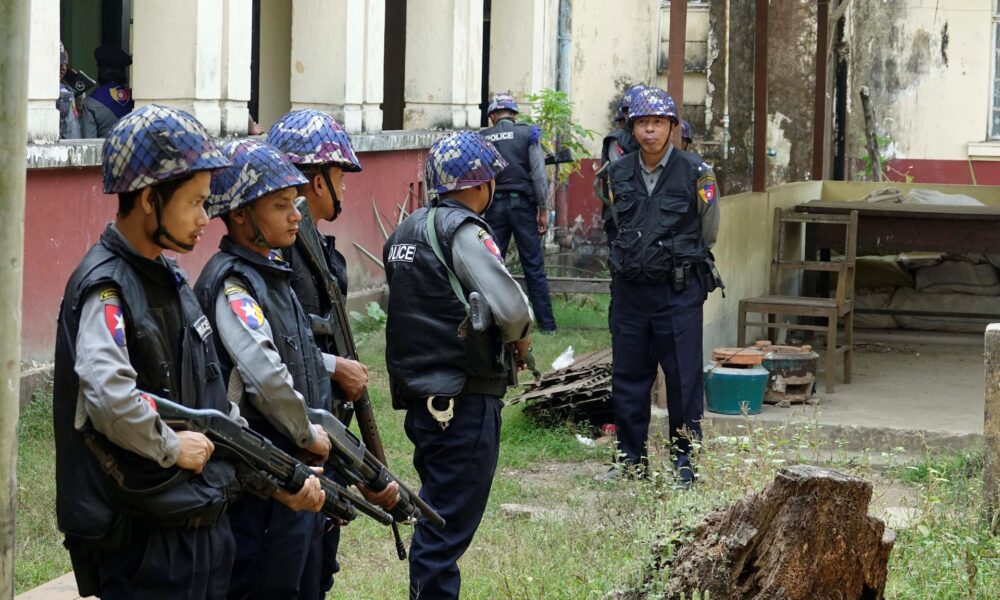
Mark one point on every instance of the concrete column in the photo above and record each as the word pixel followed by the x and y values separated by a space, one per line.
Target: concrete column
pixel 43 70
pixel 371 109
pixel 444 55
pixel 177 53
pixel 521 57
pixel 991 425
pixel 236 45
pixel 337 60
pixel 14 61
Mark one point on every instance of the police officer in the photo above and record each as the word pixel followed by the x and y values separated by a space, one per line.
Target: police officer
pixel 445 372
pixel 269 358
pixel 519 206
pixel 687 135
pixel 616 144
pixel 664 206
pixel 319 147
pixel 112 98
pixel 619 141
pixel 143 507
pixel 69 121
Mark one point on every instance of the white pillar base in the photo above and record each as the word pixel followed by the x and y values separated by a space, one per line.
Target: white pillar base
pixel 43 120
pixel 235 117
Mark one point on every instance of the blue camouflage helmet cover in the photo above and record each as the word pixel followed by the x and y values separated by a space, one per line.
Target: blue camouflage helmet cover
pixel 627 98
pixel 652 102
pixel 460 160
pixel 153 144
pixel 502 102
pixel 312 137
pixel 687 133
pixel 258 169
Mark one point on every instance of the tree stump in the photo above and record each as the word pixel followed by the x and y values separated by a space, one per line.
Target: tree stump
pixel 805 536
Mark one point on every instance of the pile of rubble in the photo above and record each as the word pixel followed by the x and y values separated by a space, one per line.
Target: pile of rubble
pixel 579 393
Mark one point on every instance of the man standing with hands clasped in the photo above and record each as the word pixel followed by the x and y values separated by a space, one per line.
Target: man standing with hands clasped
pixel 666 213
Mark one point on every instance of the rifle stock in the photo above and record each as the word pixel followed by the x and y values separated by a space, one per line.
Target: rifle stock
pixel 337 325
pixel 236 441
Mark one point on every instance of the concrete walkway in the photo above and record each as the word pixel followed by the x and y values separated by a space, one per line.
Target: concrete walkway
pixel 910 396
pixel 63 588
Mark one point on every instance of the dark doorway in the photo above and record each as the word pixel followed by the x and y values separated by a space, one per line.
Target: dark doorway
pixel 394 68
pixel 84 25
pixel 485 99
pixel 254 105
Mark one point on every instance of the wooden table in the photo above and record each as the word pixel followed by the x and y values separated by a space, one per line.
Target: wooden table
pixel 893 228
pixel 885 228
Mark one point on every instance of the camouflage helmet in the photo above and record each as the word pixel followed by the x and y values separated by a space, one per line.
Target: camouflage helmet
pixel 502 102
pixel 627 98
pixel 687 133
pixel 258 169
pixel 154 144
pixel 312 137
pixel 460 160
pixel 651 102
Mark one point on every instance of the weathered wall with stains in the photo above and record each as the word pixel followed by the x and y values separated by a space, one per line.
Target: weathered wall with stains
pixel 928 65
pixel 614 44
pixel 790 63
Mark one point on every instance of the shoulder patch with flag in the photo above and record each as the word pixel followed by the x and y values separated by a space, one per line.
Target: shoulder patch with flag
pixel 491 245
pixel 245 307
pixel 707 190
pixel 115 321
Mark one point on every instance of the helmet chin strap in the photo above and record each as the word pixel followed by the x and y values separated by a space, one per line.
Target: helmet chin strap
pixel 337 207
pixel 161 231
pixel 490 202
pixel 258 236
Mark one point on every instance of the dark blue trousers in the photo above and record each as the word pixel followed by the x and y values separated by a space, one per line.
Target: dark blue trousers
pixel 169 563
pixel 456 468
pixel 272 550
pixel 517 215
pixel 321 562
pixel 651 324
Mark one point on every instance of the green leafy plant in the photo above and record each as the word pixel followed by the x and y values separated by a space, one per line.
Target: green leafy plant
pixel 374 318
pixel 553 112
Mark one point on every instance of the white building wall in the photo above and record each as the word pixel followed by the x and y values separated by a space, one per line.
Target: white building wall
pixel 928 65
pixel 43 71
pixel 610 51
pixel 177 56
pixel 444 49
pixel 337 59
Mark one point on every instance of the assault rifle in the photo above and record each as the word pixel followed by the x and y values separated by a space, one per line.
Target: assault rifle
pixel 351 460
pixel 233 440
pixel 337 326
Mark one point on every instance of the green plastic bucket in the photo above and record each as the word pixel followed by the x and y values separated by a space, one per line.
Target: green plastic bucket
pixel 729 390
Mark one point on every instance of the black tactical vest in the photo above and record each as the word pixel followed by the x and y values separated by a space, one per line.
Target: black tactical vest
pixel 306 283
pixel 512 140
pixel 270 285
pixel 625 140
pixel 431 350
pixel 660 230
pixel 171 348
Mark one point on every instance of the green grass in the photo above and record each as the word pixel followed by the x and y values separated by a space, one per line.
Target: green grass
pixel 606 537
pixel 38 554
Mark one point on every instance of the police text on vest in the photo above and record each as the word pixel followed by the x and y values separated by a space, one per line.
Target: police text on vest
pixel 402 252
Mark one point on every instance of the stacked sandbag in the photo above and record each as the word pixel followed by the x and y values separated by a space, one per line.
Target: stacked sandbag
pixel 926 281
pixel 878 299
pixel 962 304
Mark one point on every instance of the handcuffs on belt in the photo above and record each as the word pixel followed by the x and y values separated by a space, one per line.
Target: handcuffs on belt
pixel 443 417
